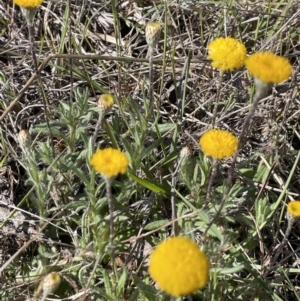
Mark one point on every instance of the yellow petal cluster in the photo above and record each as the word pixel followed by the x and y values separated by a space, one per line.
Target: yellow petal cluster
pixel 269 67
pixel 293 209
pixel 109 162
pixel 179 267
pixel 227 54
pixel 28 3
pixel 218 144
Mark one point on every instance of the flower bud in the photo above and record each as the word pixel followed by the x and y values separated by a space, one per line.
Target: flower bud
pixel 152 31
pixel 105 103
pixel 293 210
pixel 186 167
pixel 24 138
pixel 50 283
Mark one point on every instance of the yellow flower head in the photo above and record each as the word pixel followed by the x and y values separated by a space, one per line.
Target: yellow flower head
pixel 109 162
pixel 218 144
pixel 105 103
pixel 227 54
pixel 179 267
pixel 28 3
pixel 293 209
pixel 269 67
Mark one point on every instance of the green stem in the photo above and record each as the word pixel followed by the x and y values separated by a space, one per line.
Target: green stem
pixel 40 84
pixel 151 96
pixel 101 116
pixel 211 181
pixel 111 221
pixel 257 97
pixel 215 111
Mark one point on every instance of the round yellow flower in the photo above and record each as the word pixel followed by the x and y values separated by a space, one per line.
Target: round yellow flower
pixel 28 3
pixel 269 67
pixel 218 144
pixel 109 162
pixel 227 54
pixel 179 267
pixel 293 209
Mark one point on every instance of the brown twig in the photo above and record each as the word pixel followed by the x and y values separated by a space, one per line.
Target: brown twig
pixel 7 263
pixel 88 57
